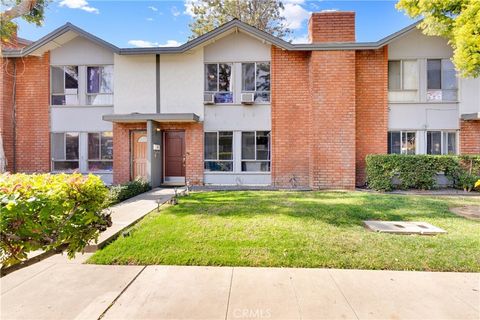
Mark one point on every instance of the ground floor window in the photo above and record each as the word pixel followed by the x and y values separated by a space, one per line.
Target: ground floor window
pixel 82 151
pixel 256 151
pixel 441 142
pixel 219 151
pixel 237 151
pixel 65 151
pixel 100 151
pixel 401 142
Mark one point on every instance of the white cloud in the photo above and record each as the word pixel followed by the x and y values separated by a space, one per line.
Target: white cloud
pixel 78 4
pixel 150 44
pixel 175 11
pixel 153 8
pixel 149 19
pixel 294 14
pixel 189 8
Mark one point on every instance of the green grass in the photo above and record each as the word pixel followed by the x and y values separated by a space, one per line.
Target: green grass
pixel 300 229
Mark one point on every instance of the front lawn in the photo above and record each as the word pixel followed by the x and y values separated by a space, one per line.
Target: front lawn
pixel 300 229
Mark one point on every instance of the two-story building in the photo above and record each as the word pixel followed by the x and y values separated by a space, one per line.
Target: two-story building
pixel 236 106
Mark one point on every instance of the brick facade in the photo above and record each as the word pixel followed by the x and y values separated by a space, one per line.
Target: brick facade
pixel 470 137
pixel 371 100
pixel 290 118
pixel 26 128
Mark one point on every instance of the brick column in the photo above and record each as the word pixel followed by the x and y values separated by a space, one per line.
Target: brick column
pixel 332 137
pixel 371 106
pixel 470 137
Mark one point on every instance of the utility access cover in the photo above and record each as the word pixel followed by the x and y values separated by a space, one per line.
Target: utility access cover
pixel 403 227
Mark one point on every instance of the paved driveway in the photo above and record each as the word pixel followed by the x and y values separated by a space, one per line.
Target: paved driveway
pixel 60 289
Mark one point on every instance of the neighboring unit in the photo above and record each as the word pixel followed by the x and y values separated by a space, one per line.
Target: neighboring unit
pixel 235 106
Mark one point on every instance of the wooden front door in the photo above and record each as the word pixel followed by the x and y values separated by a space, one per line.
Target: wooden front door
pixel 174 142
pixel 139 154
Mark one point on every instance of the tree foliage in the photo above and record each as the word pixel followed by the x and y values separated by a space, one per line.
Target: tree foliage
pixel 47 211
pixel 32 11
pixel 458 21
pixel 262 14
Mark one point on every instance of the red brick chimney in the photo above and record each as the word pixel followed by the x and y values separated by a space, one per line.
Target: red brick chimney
pixel 337 26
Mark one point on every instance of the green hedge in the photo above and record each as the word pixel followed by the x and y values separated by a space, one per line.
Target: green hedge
pixel 127 190
pixel 44 211
pixel 420 171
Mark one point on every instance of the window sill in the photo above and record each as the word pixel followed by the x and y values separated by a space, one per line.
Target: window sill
pixel 82 106
pixel 423 102
pixel 238 173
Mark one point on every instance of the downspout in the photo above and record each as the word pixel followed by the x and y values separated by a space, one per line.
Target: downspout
pixel 157 78
pixel 14 115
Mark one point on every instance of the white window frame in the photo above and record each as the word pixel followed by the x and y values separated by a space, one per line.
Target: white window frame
pixel 443 143
pixel 218 153
pixel 52 167
pixel 255 81
pixel 402 89
pixel 255 149
pixel 99 153
pixel 441 85
pixel 232 76
pixel 65 89
pixel 87 94
pixel 402 132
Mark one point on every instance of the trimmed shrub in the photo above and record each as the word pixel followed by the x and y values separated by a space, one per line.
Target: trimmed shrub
pixel 46 211
pixel 128 190
pixel 394 171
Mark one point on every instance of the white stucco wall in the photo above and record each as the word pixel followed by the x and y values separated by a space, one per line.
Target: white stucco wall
pixel 135 84
pixel 416 45
pixel 80 51
pixel 237 47
pixel 423 116
pixel 88 119
pixel 181 83
pixel 237 117
pixel 469 96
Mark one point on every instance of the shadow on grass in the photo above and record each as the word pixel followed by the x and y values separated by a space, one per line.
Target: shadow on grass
pixel 340 209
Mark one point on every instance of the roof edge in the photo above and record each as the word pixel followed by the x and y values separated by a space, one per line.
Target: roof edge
pixel 235 23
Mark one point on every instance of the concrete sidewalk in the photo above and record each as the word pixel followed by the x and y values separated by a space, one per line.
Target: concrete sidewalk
pixel 57 288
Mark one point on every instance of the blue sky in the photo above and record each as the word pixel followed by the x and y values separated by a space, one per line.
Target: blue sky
pixel 160 23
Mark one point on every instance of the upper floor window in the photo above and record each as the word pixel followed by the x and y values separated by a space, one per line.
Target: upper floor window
pixel 256 79
pixel 100 151
pixel 256 151
pixel 441 142
pixel 219 151
pixel 441 80
pixel 100 85
pixel 218 81
pixel 403 80
pixel 401 142
pixel 64 85
pixel 65 151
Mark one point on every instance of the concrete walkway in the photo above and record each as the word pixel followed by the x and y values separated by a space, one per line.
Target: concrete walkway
pixel 130 211
pixel 57 288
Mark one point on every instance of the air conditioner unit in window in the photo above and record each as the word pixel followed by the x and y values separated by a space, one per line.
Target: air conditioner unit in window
pixel 208 98
pixel 247 98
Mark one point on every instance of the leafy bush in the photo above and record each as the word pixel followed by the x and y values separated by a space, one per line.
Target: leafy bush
pixel 128 190
pixel 388 172
pixel 44 211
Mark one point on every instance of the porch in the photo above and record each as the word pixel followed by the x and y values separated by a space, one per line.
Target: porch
pixel 164 149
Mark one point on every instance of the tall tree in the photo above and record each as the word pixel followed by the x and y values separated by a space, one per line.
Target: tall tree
pixel 32 11
pixel 262 14
pixel 456 20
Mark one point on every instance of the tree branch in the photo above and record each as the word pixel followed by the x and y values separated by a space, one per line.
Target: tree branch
pixel 22 8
